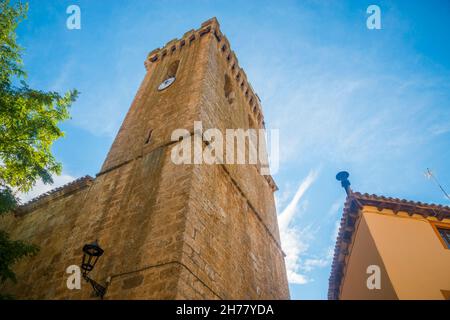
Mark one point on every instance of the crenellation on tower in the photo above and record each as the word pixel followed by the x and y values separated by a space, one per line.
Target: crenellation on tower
pixel 223 45
pixel 212 26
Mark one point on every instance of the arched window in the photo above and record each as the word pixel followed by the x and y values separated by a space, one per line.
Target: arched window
pixel 228 89
pixel 172 70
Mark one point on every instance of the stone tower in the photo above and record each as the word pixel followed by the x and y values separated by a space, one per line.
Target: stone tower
pixel 168 231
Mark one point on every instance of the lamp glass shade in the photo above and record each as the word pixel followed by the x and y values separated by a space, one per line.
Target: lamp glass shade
pixel 91 253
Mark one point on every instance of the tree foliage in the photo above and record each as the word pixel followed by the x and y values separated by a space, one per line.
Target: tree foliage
pixel 29 121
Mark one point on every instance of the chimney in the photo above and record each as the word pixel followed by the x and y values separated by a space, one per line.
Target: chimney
pixel 343 178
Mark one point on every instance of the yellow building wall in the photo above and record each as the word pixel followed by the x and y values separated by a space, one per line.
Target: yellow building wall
pixel 363 254
pixel 416 261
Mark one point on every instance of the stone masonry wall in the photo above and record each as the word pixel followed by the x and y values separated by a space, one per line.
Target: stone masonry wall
pixel 136 212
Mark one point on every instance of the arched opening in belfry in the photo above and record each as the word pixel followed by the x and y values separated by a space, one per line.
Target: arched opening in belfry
pixel 172 70
pixel 228 89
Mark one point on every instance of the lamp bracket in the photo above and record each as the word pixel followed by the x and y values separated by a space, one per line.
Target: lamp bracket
pixel 99 290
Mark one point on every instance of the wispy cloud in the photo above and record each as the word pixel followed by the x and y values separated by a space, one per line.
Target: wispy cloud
pixel 286 217
pixel 335 207
pixel 337 224
pixel 335 213
pixel 312 263
pixel 295 240
pixel 440 128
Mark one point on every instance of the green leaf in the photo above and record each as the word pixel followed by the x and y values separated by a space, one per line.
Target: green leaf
pixel 10 253
pixel 7 200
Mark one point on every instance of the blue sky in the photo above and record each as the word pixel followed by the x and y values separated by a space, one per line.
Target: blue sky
pixel 373 102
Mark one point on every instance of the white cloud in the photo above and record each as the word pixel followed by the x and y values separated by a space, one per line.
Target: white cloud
pixel 336 229
pixel 286 217
pixel 335 207
pixel 313 263
pixel 296 278
pixel 41 188
pixel 440 128
pixel 295 241
pixel 283 196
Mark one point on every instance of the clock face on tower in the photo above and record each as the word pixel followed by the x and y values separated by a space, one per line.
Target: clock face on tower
pixel 166 83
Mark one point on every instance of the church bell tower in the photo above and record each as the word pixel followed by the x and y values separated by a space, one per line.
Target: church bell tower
pixel 193 231
pixel 168 231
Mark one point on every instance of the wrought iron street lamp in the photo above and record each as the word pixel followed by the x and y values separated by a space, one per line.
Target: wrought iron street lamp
pixel 91 253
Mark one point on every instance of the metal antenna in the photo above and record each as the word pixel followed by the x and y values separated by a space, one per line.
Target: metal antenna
pixel 430 175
